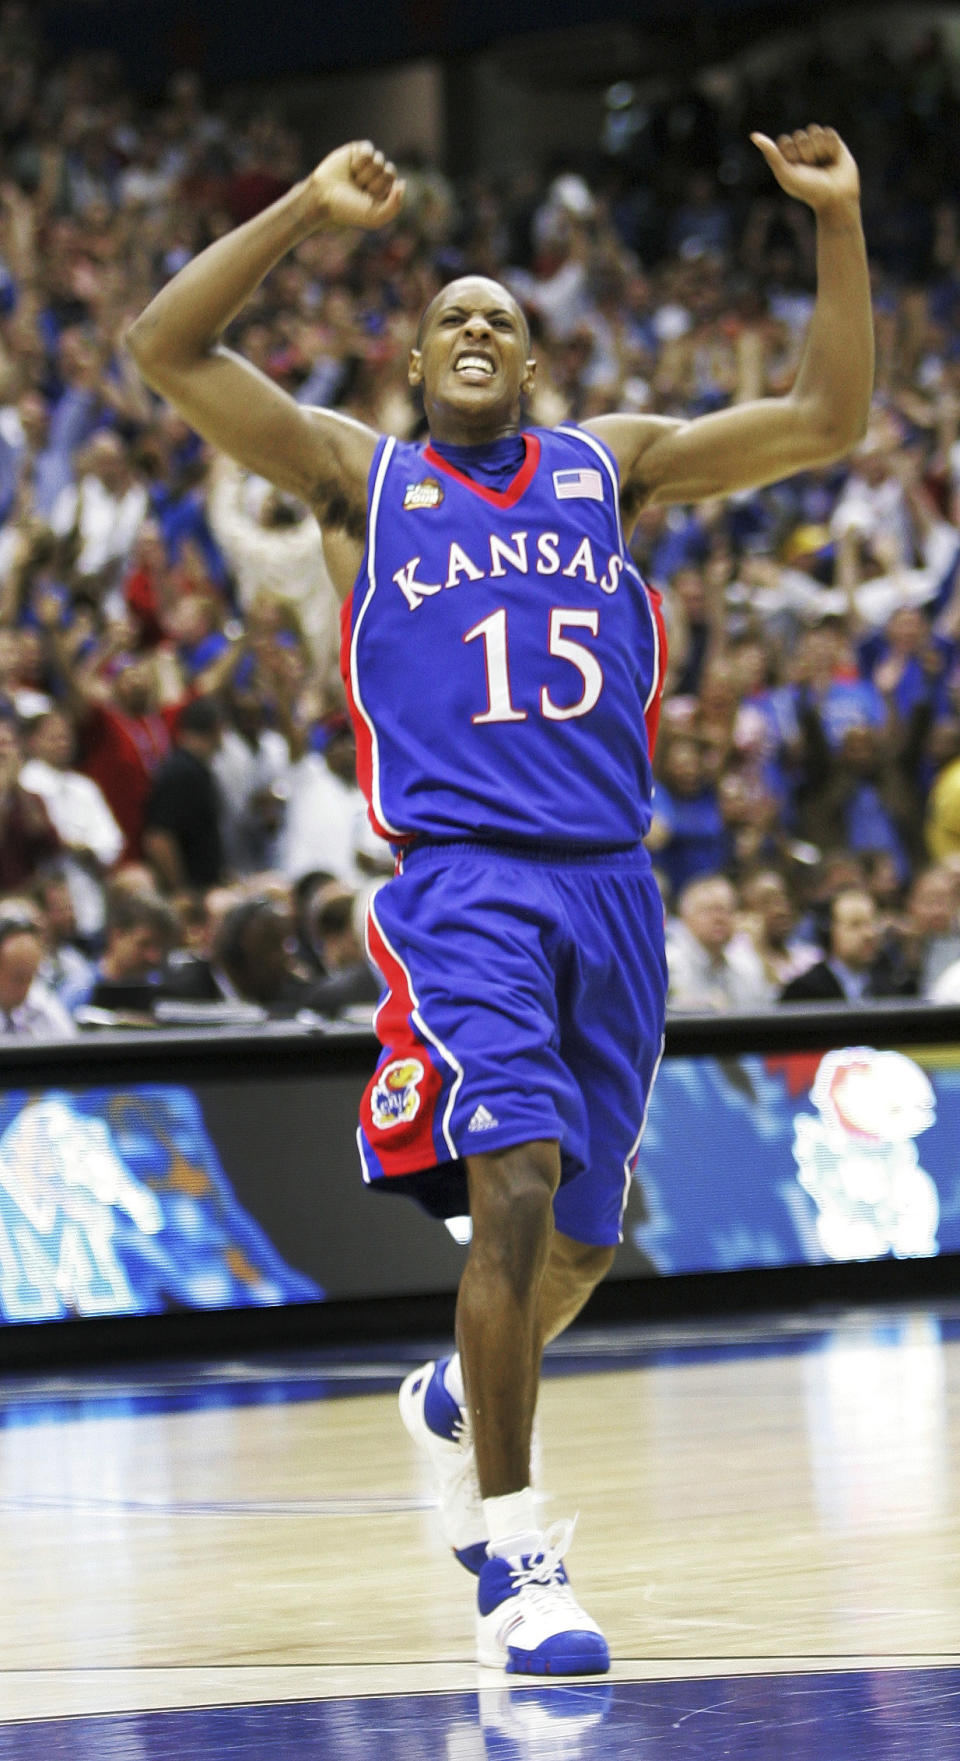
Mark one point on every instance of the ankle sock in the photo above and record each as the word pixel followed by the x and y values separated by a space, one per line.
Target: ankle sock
pixel 512 1524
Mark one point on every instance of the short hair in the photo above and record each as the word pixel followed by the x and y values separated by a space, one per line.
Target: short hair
pixel 202 715
pixel 50 874
pixel 18 918
pixel 230 943
pixel 427 312
pixel 332 918
pixel 127 910
pixel 693 889
pixel 838 898
pixel 311 882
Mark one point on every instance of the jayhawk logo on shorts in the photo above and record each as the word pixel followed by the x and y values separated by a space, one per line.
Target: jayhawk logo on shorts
pixel 395 1099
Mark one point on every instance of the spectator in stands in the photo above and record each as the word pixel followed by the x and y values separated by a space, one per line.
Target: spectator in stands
pixel 304 893
pixel 325 809
pixel 124 728
pixel 188 975
pixel 768 918
pixel 182 833
pixel 30 566
pixel 28 837
pixel 687 836
pixel 709 967
pixel 818 882
pixel 863 794
pixel 716 714
pixel 873 502
pixel 29 1009
pixel 255 953
pixel 825 684
pixel 65 965
pixel 909 662
pixel 194 624
pixel 147 586
pixel 854 967
pixel 123 733
pixel 90 836
pixel 139 933
pixel 252 768
pixel 692 630
pixel 273 544
pixel 930 929
pixel 348 979
pixel 32 470
pixel 100 516
pixel 752 820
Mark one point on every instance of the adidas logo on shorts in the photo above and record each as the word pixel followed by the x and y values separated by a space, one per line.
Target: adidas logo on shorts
pixel 482 1119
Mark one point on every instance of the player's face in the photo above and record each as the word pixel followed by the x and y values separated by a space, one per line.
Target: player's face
pixel 473 359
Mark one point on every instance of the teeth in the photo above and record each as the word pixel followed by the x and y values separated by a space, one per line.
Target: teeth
pixel 475 363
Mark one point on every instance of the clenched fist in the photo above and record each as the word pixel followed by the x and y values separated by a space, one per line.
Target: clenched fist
pixel 356 186
pixel 812 164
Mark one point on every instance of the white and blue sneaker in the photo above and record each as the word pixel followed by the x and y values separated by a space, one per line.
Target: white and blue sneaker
pixel 440 1428
pixel 528 1619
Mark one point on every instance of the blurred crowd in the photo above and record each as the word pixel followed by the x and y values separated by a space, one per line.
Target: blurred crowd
pixel 181 834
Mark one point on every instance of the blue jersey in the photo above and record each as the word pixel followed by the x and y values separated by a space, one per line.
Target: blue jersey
pixel 502 656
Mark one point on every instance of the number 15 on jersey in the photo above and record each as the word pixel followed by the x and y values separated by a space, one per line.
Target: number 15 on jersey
pixel 493 633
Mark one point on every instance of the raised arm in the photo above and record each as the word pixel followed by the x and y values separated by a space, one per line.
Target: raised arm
pixel 315 454
pixel 825 414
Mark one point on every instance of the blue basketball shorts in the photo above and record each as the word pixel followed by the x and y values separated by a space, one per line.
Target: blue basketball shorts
pixel 524 1000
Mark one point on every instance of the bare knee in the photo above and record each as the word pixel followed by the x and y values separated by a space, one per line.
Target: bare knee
pixel 574 1269
pixel 511 1204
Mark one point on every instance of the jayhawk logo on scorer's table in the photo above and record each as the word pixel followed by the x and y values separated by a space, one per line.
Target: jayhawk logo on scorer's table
pixel 396 1099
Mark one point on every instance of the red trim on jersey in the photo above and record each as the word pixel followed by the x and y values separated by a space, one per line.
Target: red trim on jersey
pixel 405 1147
pixel 499 498
pixel 652 712
pixel 361 730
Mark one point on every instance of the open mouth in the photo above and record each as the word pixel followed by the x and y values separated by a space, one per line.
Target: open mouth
pixel 474 367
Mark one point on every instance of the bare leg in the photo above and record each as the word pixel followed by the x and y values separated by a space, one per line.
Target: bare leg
pixel 573 1271
pixel 498 1306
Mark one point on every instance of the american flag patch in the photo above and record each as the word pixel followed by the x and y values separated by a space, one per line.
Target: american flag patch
pixel 571 485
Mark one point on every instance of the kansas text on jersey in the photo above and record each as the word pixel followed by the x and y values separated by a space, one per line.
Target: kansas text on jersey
pixel 502 656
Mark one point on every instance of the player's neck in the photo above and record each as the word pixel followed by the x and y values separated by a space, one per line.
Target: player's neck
pixel 457 428
pixel 505 448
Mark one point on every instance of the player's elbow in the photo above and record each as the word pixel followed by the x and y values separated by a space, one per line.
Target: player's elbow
pixel 154 352
pixel 833 431
pixel 839 442
pixel 136 338
pixel 852 425
pixel 141 346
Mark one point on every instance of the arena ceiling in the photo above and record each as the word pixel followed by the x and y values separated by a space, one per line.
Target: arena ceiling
pixel 606 40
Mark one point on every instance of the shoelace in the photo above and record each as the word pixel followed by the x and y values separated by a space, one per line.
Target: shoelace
pixel 462 1434
pixel 542 1570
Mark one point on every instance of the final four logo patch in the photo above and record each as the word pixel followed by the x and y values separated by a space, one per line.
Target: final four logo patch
pixel 395 1099
pixel 428 494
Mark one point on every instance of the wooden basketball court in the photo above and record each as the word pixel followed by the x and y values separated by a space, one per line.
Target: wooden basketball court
pixel 762 1504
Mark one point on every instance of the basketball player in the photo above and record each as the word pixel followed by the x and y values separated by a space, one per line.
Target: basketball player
pixel 504 663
